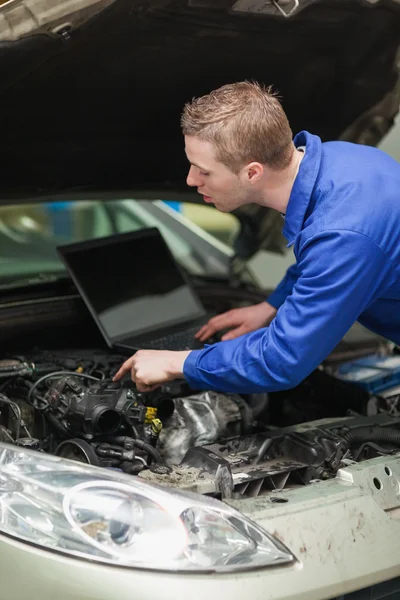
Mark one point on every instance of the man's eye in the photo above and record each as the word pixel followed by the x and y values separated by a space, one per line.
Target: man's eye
pixel 204 173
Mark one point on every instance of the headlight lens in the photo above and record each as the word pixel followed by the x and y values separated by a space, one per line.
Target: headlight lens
pixel 89 512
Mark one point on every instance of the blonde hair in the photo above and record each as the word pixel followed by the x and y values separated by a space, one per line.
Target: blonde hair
pixel 245 122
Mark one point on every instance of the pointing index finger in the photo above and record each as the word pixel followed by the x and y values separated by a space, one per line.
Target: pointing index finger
pixel 125 368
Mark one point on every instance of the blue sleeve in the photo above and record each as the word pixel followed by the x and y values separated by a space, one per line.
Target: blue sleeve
pixel 340 274
pixel 282 291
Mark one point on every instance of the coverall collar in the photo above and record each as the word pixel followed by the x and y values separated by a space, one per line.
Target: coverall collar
pixel 303 185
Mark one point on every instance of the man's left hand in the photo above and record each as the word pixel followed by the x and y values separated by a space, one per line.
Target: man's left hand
pixel 151 368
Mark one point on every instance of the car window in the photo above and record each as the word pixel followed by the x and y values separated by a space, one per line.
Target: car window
pixel 390 143
pixel 267 268
pixel 223 226
pixel 30 233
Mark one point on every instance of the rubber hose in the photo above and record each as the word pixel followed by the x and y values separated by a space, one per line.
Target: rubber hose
pixel 57 425
pixel 373 433
pixel 149 449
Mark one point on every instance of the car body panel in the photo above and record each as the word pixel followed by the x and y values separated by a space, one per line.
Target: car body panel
pixel 344 532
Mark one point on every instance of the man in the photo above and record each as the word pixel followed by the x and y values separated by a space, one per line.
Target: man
pixel 341 204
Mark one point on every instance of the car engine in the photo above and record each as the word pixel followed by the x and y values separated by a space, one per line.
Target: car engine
pixel 65 403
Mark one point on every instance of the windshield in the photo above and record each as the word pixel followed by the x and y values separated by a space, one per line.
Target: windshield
pixel 30 234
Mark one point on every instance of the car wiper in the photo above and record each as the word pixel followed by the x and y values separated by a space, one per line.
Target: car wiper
pixel 37 279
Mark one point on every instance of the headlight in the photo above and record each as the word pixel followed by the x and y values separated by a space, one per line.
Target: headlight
pixel 94 513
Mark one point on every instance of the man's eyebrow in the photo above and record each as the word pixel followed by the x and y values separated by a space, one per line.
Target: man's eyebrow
pixel 194 164
pixel 199 167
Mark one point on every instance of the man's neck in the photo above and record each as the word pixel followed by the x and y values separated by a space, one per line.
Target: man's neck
pixel 278 184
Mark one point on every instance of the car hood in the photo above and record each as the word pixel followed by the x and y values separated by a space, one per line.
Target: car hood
pixel 92 90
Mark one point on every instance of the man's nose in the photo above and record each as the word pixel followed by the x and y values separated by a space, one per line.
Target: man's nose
pixel 192 180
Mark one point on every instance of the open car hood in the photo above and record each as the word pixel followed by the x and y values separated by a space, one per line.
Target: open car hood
pixel 92 90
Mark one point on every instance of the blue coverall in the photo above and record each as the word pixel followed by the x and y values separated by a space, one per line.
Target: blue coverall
pixel 343 218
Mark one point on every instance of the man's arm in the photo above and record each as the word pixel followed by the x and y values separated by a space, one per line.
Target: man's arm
pixel 342 272
pixel 150 368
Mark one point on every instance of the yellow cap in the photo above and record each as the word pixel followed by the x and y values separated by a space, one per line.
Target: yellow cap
pixel 151 414
pixel 156 425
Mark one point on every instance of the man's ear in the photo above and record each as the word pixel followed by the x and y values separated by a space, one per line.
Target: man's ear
pixel 254 172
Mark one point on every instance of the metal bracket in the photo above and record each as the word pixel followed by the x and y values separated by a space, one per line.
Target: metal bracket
pixel 291 11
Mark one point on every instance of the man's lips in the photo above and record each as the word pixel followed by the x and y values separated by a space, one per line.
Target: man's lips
pixel 207 199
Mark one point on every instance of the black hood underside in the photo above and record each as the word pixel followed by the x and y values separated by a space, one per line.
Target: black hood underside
pixel 98 110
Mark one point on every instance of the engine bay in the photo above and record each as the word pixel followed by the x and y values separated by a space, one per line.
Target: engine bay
pixel 64 402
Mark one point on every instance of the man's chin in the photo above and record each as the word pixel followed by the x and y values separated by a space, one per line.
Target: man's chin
pixel 222 208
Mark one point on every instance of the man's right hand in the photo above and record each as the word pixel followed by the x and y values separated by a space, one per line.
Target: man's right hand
pixel 239 321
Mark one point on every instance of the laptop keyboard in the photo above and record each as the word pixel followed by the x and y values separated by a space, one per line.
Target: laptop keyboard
pixel 181 340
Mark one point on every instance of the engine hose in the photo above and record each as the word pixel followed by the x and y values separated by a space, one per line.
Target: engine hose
pixel 120 440
pixel 149 449
pixel 132 468
pixel 17 414
pixel 7 374
pixel 374 433
pixel 63 431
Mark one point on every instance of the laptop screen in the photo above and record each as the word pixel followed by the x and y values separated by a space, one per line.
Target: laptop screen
pixel 131 283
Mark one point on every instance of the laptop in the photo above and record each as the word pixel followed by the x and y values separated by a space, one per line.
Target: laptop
pixel 136 292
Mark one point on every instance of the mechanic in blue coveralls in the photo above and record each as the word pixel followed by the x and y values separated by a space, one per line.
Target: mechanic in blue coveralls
pixel 341 205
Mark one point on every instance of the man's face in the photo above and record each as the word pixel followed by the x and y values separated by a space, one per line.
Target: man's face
pixel 214 181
